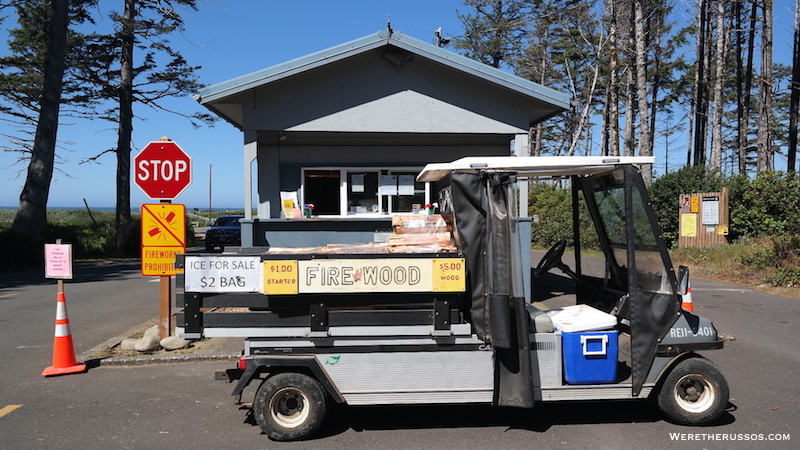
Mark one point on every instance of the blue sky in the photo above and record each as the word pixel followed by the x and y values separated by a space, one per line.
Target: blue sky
pixel 229 38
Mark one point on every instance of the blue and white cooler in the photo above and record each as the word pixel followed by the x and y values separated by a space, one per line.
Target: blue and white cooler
pixel 590 346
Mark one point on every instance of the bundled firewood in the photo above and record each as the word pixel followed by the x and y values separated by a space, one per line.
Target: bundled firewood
pixel 366 249
pixel 420 223
pixel 420 239
pixel 417 233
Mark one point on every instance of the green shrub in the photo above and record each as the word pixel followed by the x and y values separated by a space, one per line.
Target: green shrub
pixel 26 252
pixel 769 205
pixel 89 238
pixel 551 209
pixel 784 276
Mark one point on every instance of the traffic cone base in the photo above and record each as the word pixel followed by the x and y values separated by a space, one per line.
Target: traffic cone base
pixel 687 304
pixel 50 371
pixel 63 350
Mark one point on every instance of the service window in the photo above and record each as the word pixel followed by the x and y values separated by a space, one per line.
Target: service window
pixel 321 188
pixel 364 191
pixel 402 192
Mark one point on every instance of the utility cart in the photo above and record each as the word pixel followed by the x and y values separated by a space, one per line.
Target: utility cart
pixel 440 313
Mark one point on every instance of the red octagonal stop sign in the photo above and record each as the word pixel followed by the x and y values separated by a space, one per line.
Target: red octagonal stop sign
pixel 162 169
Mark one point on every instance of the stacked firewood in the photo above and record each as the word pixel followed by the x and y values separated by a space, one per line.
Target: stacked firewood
pixel 417 233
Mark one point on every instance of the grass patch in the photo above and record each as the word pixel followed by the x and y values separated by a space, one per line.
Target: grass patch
pixel 93 236
pixel 765 262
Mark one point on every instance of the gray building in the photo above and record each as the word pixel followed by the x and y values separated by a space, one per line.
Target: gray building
pixel 348 128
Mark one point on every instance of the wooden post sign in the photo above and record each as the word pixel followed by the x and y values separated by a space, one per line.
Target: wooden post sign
pixel 58 261
pixel 704 219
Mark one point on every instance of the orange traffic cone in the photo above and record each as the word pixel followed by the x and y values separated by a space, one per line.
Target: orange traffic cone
pixel 63 351
pixel 687 299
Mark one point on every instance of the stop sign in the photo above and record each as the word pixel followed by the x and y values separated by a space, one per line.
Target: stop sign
pixel 162 169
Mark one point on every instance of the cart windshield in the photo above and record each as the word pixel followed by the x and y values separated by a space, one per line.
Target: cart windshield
pixel 609 196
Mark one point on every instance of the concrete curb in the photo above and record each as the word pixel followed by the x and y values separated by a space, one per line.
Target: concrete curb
pixel 92 356
pixel 160 359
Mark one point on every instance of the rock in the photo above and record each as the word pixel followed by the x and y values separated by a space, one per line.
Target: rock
pixel 128 345
pixel 173 343
pixel 148 342
pixel 152 331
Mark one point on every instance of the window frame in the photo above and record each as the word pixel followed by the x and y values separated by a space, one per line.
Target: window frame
pixel 344 188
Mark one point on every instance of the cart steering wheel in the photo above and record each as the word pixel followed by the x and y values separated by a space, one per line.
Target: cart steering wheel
pixel 551 258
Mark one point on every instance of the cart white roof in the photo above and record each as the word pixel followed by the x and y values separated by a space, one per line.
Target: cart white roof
pixel 532 166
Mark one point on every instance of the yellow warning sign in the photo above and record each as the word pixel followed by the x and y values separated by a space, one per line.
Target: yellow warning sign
pixel 694 206
pixel 160 261
pixel 163 237
pixel 164 225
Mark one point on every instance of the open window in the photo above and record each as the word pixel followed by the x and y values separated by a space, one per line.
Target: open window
pixel 364 191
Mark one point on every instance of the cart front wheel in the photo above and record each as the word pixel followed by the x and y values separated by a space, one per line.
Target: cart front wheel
pixel 694 392
pixel 290 406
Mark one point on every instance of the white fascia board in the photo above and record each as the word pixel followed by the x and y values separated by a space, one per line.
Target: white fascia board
pixel 533 166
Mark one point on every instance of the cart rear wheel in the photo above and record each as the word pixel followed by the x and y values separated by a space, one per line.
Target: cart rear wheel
pixel 290 406
pixel 694 392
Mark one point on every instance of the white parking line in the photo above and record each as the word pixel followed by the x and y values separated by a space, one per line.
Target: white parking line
pixel 695 289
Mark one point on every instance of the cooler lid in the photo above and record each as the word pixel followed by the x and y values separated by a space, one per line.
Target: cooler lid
pixel 576 318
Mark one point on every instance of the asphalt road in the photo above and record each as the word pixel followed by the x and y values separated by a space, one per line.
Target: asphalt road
pixel 181 406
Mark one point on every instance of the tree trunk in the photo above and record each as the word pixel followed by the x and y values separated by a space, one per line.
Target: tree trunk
pixel 690 131
pixel 764 141
pixel 741 125
pixel 701 85
pixel 652 41
pixel 628 136
pixel 612 119
pixel 32 213
pixel 123 211
pixel 794 104
pixel 584 117
pixel 645 148
pixel 721 56
pixel 748 82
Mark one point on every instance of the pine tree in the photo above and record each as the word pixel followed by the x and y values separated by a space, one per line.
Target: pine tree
pixel 795 92
pixel 764 140
pixel 493 32
pixel 34 88
pixel 121 77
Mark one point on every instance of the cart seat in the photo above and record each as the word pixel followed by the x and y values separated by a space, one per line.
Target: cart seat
pixel 538 321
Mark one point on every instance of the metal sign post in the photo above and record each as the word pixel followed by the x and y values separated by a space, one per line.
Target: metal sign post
pixel 165 291
pixel 163 237
pixel 163 170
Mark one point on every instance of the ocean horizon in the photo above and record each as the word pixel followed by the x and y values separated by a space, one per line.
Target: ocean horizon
pixel 136 209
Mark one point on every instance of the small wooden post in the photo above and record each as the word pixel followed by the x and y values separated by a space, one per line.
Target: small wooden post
pixel 60 280
pixel 165 312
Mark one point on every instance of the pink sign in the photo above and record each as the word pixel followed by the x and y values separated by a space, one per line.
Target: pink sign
pixel 58 261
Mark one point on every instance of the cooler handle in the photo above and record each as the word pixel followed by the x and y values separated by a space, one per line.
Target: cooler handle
pixel 585 343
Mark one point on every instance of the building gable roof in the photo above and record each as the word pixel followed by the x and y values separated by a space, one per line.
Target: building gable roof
pixel 215 97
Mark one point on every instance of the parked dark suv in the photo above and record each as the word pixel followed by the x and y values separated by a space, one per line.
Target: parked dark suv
pixel 226 231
